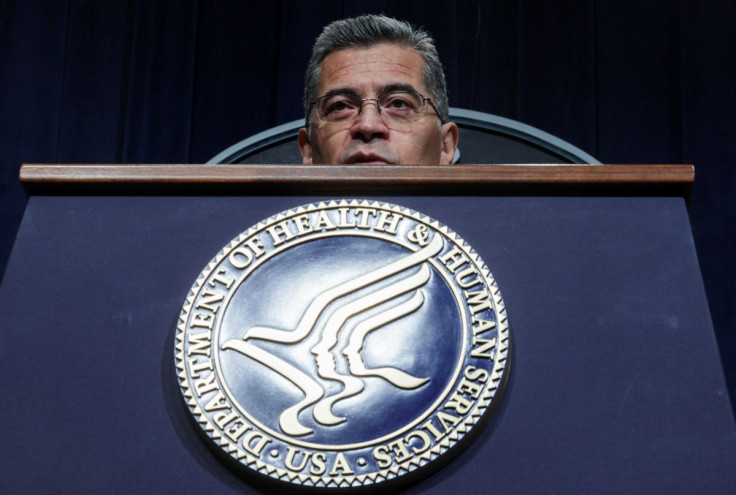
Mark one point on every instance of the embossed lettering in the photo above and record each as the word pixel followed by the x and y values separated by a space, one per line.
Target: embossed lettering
pixel 461 277
pixel 196 367
pixel 460 404
pixel 478 300
pixel 324 222
pixel 199 343
pixel 318 464
pixel 362 214
pixel 387 222
pixel 237 430
pixel 483 348
pixel 202 320
pixel 219 278
pixel 205 385
pixel 302 224
pixel 217 403
pixel 252 248
pixel 292 453
pixel 255 441
pixel 344 218
pixel 454 259
pixel 467 384
pixel 447 420
pixel 223 419
pixel 430 427
pixel 208 299
pixel 426 441
pixel 400 451
pixel 480 325
pixel 473 373
pixel 400 448
pixel 381 455
pixel 467 388
pixel 341 466
pixel 280 233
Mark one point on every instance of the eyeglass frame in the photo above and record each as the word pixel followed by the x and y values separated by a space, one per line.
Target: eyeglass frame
pixel 378 106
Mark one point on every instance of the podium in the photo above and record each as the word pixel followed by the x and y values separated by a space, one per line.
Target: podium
pixel 615 383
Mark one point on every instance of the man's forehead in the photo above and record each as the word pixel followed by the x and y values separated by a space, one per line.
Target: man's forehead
pixel 368 69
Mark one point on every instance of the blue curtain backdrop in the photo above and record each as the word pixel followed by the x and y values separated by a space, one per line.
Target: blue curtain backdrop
pixel 145 81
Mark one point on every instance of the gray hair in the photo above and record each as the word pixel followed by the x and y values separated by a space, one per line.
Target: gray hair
pixel 367 30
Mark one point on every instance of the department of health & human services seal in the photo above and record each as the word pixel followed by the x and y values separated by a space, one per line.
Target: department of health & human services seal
pixel 342 344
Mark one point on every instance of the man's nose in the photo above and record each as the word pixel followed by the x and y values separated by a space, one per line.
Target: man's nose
pixel 369 124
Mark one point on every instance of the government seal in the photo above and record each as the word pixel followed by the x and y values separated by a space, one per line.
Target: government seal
pixel 342 344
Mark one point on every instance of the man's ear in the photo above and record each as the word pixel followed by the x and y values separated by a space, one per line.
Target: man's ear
pixel 449 137
pixel 305 146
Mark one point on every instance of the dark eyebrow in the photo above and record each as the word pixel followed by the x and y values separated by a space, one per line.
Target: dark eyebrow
pixel 346 91
pixel 388 88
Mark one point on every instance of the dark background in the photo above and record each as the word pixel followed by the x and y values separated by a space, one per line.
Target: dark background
pixel 628 81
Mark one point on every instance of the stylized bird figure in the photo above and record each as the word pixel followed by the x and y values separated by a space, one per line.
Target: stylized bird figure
pixel 323 351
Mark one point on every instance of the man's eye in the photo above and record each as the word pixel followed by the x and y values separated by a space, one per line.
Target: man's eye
pixel 338 107
pixel 399 103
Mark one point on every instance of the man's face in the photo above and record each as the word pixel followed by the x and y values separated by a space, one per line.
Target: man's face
pixel 369 139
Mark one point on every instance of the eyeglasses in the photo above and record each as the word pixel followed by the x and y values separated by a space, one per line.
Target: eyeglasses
pixel 396 106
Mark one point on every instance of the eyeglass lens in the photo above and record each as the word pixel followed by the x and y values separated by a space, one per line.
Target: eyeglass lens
pixel 398 106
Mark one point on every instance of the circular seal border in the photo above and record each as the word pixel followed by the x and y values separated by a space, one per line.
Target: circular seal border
pixel 484 403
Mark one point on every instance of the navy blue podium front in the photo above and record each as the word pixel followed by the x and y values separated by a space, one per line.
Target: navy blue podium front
pixel 615 383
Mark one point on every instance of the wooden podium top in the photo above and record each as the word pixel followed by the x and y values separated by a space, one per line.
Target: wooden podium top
pixel 144 179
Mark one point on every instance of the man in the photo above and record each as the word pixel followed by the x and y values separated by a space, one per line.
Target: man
pixel 375 93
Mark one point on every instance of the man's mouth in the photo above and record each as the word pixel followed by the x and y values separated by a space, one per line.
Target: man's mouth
pixel 366 159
